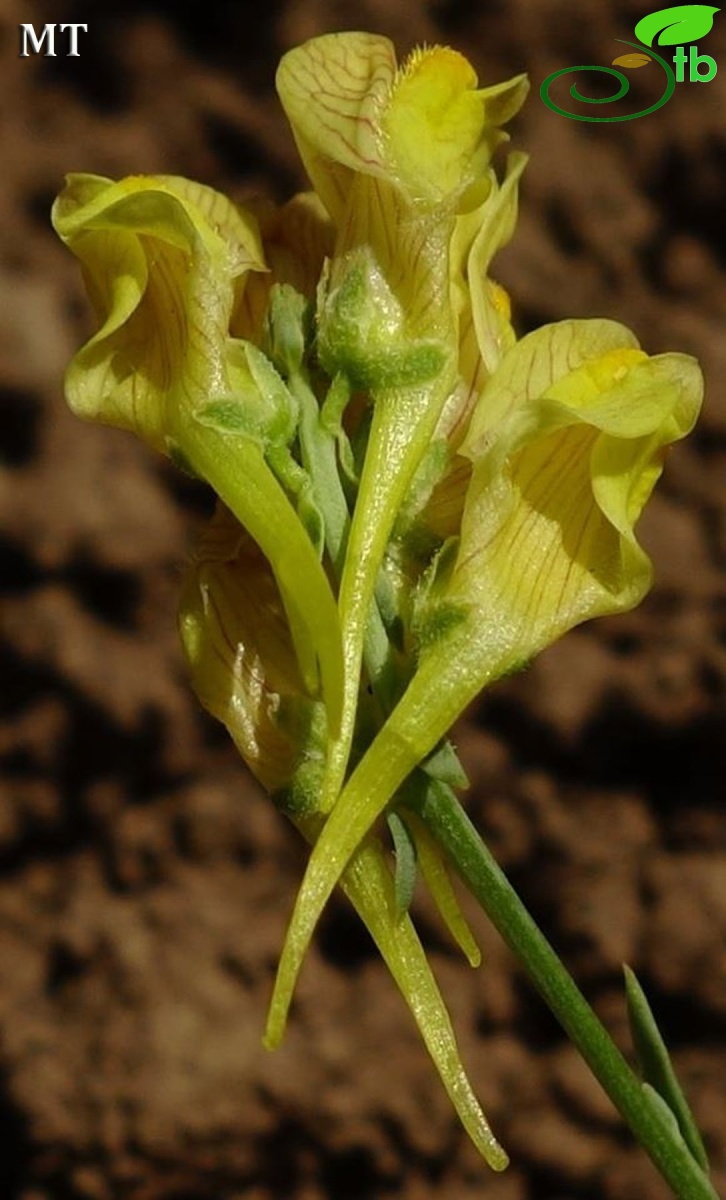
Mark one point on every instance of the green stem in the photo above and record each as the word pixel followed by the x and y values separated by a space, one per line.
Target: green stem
pixel 449 824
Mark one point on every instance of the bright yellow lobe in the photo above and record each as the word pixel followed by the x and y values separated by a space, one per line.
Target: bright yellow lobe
pixel 594 378
pixel 434 120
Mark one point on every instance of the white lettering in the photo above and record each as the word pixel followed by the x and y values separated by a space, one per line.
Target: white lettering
pixel 37 42
pixel 73 52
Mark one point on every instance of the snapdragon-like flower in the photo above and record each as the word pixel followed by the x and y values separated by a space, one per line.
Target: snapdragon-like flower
pixel 165 261
pixel 396 155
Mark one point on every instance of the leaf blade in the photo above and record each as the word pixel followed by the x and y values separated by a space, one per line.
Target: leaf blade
pixel 656 1067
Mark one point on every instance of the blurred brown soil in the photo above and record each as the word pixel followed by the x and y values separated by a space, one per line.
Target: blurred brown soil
pixel 146 882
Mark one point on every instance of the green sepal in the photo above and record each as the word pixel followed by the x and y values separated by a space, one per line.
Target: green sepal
pixel 332 412
pixel 228 415
pixel 292 476
pixel 388 602
pixel 355 322
pixel 283 411
pixel 440 622
pixel 286 328
pixel 433 867
pixel 312 518
pixel 335 404
pixel 444 765
pixel 346 459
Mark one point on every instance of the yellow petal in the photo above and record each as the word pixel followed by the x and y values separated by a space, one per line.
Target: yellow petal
pixel 425 127
pixel 541 546
pixel 298 237
pixel 333 89
pixel 242 660
pixel 528 370
pixel 496 222
pixel 440 130
pixel 160 255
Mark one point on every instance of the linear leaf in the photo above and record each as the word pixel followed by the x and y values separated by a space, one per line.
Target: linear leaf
pixel 656 1067
pixel 405 876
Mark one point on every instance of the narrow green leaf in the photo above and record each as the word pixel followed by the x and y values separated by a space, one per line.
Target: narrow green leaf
pixel 335 404
pixel 436 877
pixel 444 765
pixel 312 518
pixel 665 1111
pixel 656 1067
pixel 448 823
pixel 405 850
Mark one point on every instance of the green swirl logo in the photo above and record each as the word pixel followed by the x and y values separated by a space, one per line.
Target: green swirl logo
pixel 622 90
pixel 669 27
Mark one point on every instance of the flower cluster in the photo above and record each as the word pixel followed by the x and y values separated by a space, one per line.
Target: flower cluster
pixel 412 502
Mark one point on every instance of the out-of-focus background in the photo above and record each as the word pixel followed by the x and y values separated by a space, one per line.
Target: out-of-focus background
pixel 145 881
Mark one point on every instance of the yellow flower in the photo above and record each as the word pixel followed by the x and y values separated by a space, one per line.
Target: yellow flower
pixel 425 127
pixel 160 259
pixel 566 443
pixel 165 262
pixel 396 155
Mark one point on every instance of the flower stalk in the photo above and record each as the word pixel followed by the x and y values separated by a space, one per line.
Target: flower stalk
pixel 479 870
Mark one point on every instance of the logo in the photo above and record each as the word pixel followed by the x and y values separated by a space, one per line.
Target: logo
pixel 667 27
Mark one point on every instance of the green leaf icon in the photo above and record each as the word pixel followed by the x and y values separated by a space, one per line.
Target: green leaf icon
pixel 685 23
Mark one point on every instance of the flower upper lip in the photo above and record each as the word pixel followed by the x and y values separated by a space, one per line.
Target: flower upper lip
pixel 424 125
